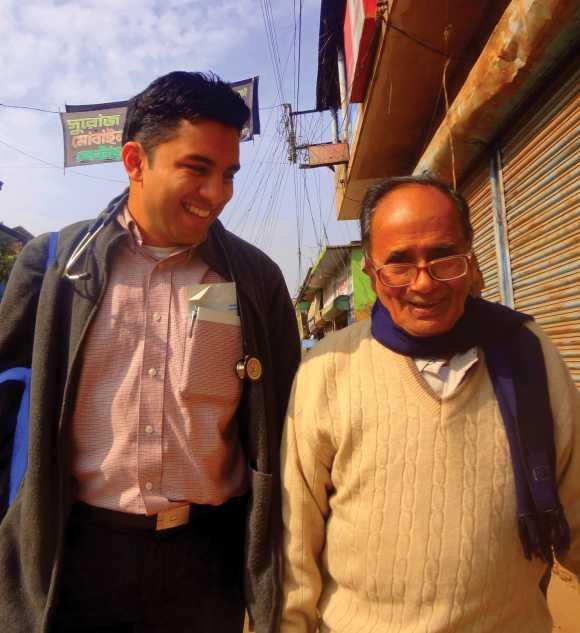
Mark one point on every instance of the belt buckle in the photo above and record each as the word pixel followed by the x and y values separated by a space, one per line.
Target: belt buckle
pixel 174 517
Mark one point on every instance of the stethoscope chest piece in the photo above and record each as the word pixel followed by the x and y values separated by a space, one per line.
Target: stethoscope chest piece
pixel 249 367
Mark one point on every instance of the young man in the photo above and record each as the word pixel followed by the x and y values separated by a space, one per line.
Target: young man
pixel 402 508
pixel 162 350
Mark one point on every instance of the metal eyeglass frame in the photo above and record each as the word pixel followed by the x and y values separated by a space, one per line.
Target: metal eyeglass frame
pixel 466 256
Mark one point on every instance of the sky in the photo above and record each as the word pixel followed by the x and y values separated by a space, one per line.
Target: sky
pixel 57 52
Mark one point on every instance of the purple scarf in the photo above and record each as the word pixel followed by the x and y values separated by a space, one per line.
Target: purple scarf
pixel 516 366
pixel 482 323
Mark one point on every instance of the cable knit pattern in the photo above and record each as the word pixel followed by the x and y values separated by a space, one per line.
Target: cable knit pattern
pixel 399 507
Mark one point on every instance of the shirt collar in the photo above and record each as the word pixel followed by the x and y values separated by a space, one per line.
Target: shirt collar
pixel 458 362
pixel 126 220
pixel 135 237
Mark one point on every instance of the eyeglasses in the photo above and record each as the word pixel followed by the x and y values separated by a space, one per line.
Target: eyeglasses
pixel 444 269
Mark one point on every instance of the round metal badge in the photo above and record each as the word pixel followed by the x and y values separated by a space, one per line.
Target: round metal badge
pixel 254 368
pixel 249 367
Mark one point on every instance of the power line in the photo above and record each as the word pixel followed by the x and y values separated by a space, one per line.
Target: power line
pixel 258 150
pixel 53 165
pixel 250 199
pixel 261 173
pixel 37 109
pixel 423 44
pixel 273 48
pixel 22 107
pixel 311 212
pixel 262 215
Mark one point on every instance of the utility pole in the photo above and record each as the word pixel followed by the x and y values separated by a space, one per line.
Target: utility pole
pixel 290 132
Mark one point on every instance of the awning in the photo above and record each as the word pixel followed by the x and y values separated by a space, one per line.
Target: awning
pixel 338 306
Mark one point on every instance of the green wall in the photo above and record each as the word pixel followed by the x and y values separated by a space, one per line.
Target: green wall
pixel 363 295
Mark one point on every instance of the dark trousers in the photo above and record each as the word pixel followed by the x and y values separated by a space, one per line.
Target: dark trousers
pixel 184 580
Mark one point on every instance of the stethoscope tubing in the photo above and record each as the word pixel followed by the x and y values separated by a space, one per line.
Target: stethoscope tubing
pixel 82 246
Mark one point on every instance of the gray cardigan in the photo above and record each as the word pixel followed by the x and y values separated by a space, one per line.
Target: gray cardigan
pixel 43 320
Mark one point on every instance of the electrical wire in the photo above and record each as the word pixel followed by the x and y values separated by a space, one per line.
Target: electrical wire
pixel 267 227
pixel 260 212
pixel 53 165
pixel 21 107
pixel 311 212
pixel 248 208
pixel 273 49
pixel 258 150
pixel 37 109
pixel 423 44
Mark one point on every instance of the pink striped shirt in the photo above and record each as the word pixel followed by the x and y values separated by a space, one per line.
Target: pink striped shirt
pixel 154 424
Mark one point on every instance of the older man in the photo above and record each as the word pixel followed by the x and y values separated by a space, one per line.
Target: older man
pixel 428 451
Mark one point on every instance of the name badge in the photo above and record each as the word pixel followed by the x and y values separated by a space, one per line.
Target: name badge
pixel 173 517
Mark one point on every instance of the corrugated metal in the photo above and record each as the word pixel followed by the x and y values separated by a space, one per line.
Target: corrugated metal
pixel 477 192
pixel 531 38
pixel 542 196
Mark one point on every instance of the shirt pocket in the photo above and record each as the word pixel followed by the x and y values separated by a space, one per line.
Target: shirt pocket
pixel 212 348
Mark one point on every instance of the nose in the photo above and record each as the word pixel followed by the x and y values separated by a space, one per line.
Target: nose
pixel 215 191
pixel 423 283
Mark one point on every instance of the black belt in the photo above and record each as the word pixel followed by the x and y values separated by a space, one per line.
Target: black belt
pixel 169 519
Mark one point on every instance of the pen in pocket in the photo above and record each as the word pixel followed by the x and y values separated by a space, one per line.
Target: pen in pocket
pixel 192 321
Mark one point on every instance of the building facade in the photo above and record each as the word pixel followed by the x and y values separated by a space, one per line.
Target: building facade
pixel 335 292
pixel 483 95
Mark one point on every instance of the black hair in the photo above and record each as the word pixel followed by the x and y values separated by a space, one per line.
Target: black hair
pixel 154 114
pixel 377 191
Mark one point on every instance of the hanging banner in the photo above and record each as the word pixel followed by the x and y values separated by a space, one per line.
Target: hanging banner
pixel 93 133
pixel 248 90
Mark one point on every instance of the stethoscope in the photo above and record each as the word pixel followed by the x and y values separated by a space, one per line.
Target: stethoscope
pixel 98 225
pixel 249 367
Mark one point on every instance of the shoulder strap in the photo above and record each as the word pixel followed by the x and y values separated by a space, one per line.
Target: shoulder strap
pixel 52 246
pixel 19 459
pixel 518 374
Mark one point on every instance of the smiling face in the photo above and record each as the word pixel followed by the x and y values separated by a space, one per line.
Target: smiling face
pixel 182 187
pixel 416 224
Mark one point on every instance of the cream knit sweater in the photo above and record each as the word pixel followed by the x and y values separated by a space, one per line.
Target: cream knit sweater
pixel 399 507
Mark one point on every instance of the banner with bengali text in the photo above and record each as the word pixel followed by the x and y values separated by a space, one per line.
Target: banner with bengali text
pixel 93 133
pixel 92 136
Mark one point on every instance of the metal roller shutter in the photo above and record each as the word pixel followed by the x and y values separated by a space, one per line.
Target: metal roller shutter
pixel 477 192
pixel 542 203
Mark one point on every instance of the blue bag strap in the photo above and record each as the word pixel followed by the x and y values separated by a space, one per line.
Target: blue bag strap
pixel 52 246
pixel 19 461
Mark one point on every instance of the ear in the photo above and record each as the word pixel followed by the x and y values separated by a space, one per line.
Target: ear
pixel 373 279
pixel 367 270
pixel 134 159
pixel 364 266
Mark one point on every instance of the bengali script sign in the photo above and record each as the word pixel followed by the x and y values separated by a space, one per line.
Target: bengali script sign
pixel 93 133
pixel 93 136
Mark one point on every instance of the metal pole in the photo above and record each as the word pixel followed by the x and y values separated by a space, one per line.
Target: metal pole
pixel 343 93
pixel 334 123
pixel 502 248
